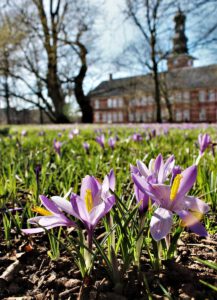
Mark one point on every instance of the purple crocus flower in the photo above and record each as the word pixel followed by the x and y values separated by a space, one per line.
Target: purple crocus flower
pixel 137 137
pixel 75 131
pixel 41 133
pixel 204 141
pixel 86 147
pixel 173 199
pixel 50 217
pixel 94 202
pixel 101 140
pixel 157 172
pixel 71 135
pixel 24 133
pixel 57 146
pixel 112 142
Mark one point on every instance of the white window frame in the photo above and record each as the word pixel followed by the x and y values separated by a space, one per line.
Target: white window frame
pixel 211 95
pixel 186 115
pixel 114 117
pixel 109 102
pixel 131 117
pixel 120 116
pixel 104 117
pixel 138 116
pixel 114 103
pixel 109 117
pixel 202 114
pixel 202 96
pixel 96 104
pixel 97 116
pixel 120 102
pixel 178 115
pixel 186 96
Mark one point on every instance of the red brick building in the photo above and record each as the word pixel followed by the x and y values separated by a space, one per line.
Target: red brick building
pixel 188 94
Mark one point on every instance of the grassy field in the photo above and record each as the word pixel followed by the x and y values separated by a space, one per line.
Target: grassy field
pixel 52 161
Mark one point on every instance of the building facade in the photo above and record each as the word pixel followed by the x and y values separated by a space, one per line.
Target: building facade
pixel 188 93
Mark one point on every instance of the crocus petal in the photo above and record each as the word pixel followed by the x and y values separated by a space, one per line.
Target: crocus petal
pixel 109 202
pixel 79 209
pixel 196 204
pixel 161 195
pixel 144 186
pixel 62 203
pixel 49 205
pixel 32 230
pixel 141 198
pixel 144 171
pixel 97 213
pixel 189 176
pixel 192 222
pixel 167 169
pixel 158 163
pixel 111 177
pixel 161 223
pixel 89 183
pixel 134 169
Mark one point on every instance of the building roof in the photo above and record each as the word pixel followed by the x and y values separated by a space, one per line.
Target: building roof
pixel 177 79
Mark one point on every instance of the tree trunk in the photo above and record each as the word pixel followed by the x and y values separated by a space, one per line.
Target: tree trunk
pixel 7 100
pixel 82 99
pixel 169 107
pixel 56 94
pixel 157 92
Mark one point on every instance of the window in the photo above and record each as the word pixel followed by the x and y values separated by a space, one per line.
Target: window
pixel 97 116
pixel 120 116
pixel 104 117
pixel 143 101
pixel 202 114
pixel 120 102
pixel 178 116
pixel 115 117
pixel 114 102
pixel 178 97
pixel 186 96
pixel 138 116
pixel 186 115
pixel 149 115
pixel 131 117
pixel 109 117
pixel 96 104
pixel 211 95
pixel 137 101
pixel 109 102
pixel 149 99
pixel 144 119
pixel 202 96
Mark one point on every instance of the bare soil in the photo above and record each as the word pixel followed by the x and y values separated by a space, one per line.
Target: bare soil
pixel 27 272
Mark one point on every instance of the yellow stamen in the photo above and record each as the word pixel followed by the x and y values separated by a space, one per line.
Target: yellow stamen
pixel 88 200
pixel 175 186
pixel 42 211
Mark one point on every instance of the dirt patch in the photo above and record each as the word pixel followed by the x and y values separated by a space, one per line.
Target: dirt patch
pixel 28 273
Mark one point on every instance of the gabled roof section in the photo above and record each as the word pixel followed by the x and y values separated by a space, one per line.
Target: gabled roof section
pixel 178 79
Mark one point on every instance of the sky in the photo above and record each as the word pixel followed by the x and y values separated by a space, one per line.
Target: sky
pixel 117 32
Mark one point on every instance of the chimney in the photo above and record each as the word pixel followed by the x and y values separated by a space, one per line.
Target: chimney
pixel 110 77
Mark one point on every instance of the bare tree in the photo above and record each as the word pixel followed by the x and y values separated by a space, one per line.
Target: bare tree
pixel 10 39
pixel 147 16
pixel 54 58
